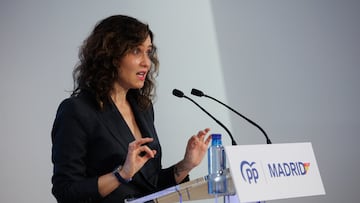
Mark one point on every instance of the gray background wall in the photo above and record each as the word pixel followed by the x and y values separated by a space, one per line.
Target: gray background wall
pixel 292 66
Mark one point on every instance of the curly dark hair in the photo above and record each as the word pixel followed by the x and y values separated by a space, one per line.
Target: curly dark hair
pixel 111 39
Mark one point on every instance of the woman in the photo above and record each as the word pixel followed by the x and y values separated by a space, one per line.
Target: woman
pixel 105 147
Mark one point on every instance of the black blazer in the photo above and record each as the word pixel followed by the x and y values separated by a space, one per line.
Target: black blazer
pixel 89 142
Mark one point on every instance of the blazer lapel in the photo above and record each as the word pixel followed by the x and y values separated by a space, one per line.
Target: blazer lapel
pixel 116 125
pixel 142 119
pixel 145 122
pixel 118 128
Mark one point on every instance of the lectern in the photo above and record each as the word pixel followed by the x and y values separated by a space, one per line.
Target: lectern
pixel 256 173
pixel 196 189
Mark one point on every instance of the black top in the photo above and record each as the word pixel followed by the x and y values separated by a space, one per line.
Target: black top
pixel 89 142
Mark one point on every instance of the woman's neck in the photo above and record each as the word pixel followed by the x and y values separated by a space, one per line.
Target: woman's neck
pixel 118 95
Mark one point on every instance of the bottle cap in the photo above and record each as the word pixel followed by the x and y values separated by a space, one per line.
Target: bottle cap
pixel 216 136
pixel 216 139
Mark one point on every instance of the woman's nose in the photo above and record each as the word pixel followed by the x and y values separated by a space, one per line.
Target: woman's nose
pixel 146 61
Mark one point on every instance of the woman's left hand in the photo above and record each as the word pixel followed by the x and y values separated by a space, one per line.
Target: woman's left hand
pixel 196 149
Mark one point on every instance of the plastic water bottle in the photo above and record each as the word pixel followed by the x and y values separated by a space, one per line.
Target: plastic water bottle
pixel 216 166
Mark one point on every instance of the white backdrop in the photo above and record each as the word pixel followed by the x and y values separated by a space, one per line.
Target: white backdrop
pixel 292 66
pixel 39 45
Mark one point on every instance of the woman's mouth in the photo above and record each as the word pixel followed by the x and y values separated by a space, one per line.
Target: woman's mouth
pixel 141 75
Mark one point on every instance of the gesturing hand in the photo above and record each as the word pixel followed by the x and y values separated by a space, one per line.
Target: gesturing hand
pixel 138 154
pixel 196 149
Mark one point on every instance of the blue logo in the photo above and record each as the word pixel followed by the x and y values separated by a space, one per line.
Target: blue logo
pixel 249 173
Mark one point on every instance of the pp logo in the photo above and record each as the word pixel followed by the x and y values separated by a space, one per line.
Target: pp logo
pixel 249 172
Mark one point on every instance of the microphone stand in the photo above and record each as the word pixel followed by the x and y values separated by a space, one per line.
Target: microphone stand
pixel 200 94
pixel 180 94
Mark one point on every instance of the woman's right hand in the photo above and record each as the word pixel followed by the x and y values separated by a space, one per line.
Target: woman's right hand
pixel 138 154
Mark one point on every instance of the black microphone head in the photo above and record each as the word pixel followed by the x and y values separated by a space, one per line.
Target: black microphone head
pixel 178 93
pixel 197 92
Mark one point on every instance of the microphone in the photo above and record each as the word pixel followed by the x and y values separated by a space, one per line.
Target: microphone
pixel 180 94
pixel 201 94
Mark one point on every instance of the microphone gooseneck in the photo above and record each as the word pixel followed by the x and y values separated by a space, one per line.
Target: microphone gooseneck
pixel 180 94
pixel 199 93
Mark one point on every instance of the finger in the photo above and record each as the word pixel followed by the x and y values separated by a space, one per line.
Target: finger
pixel 191 142
pixel 206 131
pixel 208 139
pixel 146 151
pixel 146 156
pixel 201 134
pixel 192 139
pixel 143 141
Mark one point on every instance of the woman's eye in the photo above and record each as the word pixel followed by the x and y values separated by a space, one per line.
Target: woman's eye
pixel 140 52
pixel 150 52
pixel 136 51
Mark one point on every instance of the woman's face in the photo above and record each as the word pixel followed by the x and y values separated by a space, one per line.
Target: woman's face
pixel 135 65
